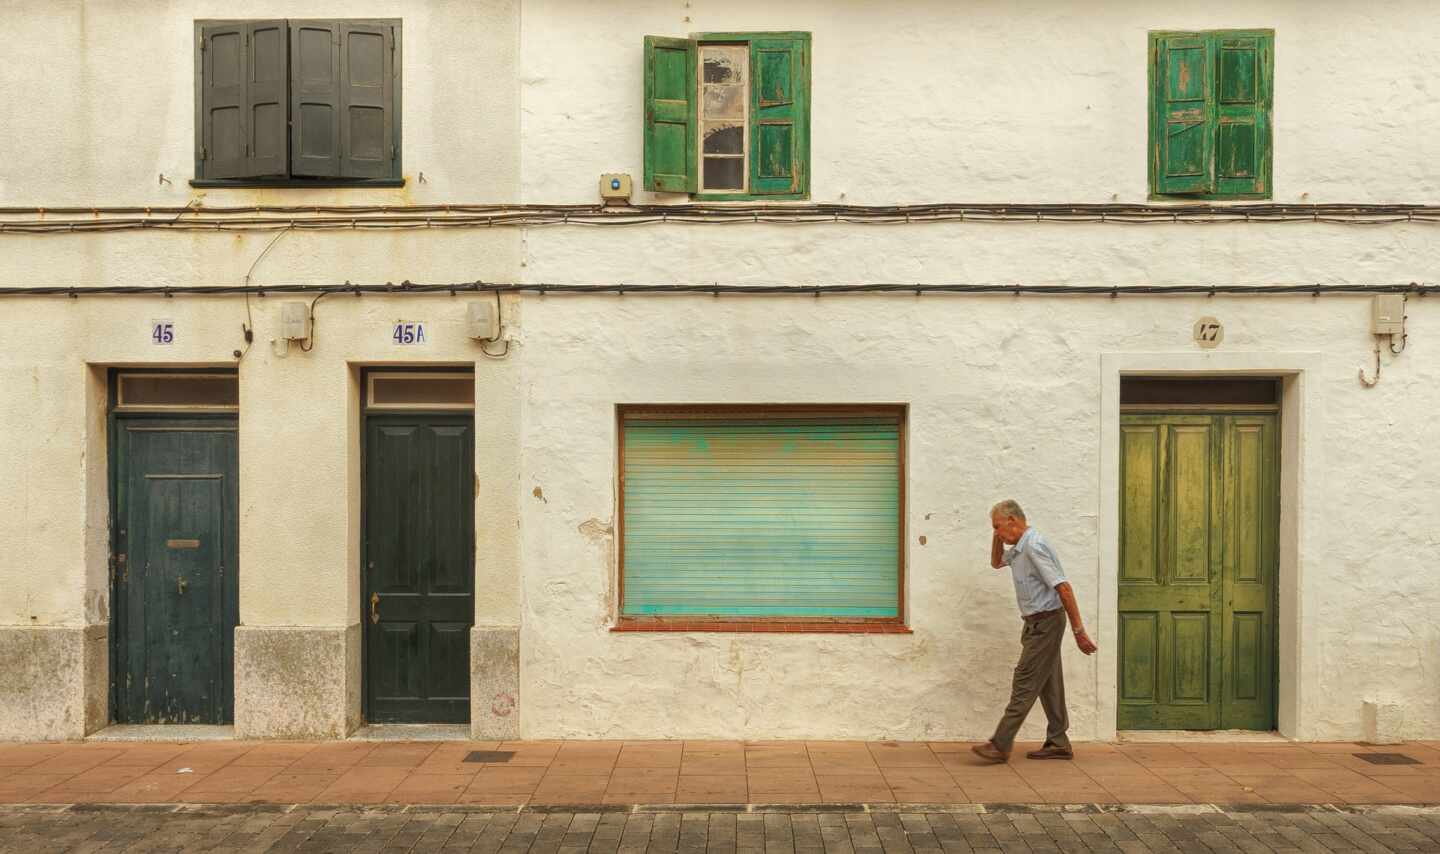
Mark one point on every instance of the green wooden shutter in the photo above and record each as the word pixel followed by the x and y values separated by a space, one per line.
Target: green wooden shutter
pixel 780 115
pixel 1182 115
pixel 315 98
pixel 671 122
pixel 225 70
pixel 796 517
pixel 367 101
pixel 1244 65
pixel 267 101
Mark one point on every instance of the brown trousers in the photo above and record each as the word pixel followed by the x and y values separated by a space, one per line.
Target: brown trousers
pixel 1038 675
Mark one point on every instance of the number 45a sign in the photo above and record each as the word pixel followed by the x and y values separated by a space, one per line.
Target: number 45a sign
pixel 409 333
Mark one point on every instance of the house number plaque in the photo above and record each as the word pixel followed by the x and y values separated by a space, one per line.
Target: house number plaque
pixel 1209 332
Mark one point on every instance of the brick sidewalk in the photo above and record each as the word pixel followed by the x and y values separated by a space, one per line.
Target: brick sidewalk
pixel 711 772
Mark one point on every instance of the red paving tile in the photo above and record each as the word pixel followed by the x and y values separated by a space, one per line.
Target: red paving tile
pixel 707 772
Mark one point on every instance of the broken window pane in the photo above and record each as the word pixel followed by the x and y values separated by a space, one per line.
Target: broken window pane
pixel 724 138
pixel 724 63
pixel 724 173
pixel 724 102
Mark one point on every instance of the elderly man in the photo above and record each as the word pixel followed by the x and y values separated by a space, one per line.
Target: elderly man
pixel 1045 599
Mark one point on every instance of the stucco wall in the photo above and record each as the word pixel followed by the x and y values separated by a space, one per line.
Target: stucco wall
pixel 914 102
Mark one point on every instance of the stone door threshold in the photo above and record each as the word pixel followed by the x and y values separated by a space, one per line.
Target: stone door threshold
pixel 163 732
pixel 1185 736
pixel 412 732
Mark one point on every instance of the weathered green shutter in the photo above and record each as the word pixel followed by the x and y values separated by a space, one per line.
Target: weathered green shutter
pixel 1182 114
pixel 367 100
pixel 242 96
pixel 267 100
pixel 780 115
pixel 224 71
pixel 1243 65
pixel 315 98
pixel 761 517
pixel 671 121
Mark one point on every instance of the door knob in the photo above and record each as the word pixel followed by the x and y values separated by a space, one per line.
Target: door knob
pixel 180 585
pixel 374 607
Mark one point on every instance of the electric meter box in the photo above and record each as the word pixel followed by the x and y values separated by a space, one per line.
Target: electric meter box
pixel 294 321
pixel 615 188
pixel 1389 315
pixel 481 321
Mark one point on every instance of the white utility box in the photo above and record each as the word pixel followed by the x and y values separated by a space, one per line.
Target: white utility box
pixel 294 321
pixel 482 322
pixel 1389 315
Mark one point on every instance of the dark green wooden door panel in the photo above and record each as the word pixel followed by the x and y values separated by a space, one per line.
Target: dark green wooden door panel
pixel 177 599
pixel 419 567
pixel 1196 572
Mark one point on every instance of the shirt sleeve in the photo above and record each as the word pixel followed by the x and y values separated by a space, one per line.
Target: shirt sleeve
pixel 1047 564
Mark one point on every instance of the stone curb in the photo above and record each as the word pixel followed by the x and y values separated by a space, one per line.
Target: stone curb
pixel 800 808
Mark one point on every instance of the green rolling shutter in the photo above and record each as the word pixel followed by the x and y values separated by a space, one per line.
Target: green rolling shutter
pixel 761 517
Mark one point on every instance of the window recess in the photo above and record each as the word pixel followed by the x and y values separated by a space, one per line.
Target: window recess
pixel 297 103
pixel 727 115
pixel 1211 98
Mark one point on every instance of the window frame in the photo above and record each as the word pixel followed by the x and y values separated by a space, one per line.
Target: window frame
pixel 802 147
pixel 899 624
pixel 1154 113
pixel 395 179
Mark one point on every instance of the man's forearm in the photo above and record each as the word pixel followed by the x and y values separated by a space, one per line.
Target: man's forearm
pixel 1072 608
pixel 997 552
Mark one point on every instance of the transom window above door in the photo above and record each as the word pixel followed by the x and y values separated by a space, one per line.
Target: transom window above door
pixel 297 102
pixel 727 115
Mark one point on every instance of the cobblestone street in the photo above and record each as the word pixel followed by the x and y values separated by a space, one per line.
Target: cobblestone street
pixel 830 830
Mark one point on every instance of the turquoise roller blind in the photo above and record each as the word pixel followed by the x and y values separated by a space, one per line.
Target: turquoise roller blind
pixel 762 517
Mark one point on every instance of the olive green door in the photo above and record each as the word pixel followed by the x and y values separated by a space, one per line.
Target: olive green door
pixel 176 590
pixel 1198 558
pixel 419 542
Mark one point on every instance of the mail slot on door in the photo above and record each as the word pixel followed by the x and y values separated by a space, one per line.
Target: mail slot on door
pixel 183 544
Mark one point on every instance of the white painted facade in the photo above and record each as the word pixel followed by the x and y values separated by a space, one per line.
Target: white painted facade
pixel 925 101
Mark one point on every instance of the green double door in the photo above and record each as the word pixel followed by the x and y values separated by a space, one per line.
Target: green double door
pixel 419 580
pixel 175 580
pixel 1198 563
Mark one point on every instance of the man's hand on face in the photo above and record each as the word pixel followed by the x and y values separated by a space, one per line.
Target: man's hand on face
pixel 1083 641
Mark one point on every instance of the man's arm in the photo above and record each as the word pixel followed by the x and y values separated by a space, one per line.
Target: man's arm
pixel 997 551
pixel 1072 610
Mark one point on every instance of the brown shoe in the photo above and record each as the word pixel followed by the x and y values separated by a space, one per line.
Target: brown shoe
pixel 1048 752
pixel 990 753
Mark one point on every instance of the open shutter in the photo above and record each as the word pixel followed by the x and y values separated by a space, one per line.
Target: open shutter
pixel 779 115
pixel 267 100
pixel 367 101
pixel 671 133
pixel 224 72
pixel 761 517
pixel 315 98
pixel 1182 118
pixel 1242 142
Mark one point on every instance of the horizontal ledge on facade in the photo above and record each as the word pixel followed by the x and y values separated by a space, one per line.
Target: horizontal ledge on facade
pixel 763 626
pixel 76 220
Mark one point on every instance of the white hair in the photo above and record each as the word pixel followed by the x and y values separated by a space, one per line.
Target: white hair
pixel 1008 509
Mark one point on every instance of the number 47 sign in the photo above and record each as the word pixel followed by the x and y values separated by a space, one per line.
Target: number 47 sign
pixel 1209 332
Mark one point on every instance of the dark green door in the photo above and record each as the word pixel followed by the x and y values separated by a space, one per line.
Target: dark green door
pixel 419 590
pixel 1198 559
pixel 176 586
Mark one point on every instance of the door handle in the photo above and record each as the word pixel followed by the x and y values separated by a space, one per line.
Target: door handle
pixel 180 585
pixel 374 607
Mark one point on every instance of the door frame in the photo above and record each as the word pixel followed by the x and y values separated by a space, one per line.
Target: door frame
pixel 118 611
pixel 1299 485
pixel 366 414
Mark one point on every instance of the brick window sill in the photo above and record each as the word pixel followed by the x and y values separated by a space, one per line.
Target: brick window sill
pixel 762 626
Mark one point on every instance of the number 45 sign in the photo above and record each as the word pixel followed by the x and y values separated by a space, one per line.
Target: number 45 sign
pixel 162 332
pixel 1209 332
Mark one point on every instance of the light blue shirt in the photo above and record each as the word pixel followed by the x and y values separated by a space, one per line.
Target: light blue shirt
pixel 1036 570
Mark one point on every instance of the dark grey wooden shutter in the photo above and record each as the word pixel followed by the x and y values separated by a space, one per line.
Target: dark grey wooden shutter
pixel 266 101
pixel 367 99
pixel 224 72
pixel 315 98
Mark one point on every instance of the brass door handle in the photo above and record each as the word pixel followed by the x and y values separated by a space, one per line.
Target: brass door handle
pixel 374 607
pixel 180 585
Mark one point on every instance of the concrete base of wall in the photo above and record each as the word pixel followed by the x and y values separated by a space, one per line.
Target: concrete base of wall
pixel 297 682
pixel 54 682
pixel 494 682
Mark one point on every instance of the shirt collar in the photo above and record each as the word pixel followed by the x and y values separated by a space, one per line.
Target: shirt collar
pixel 1024 540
